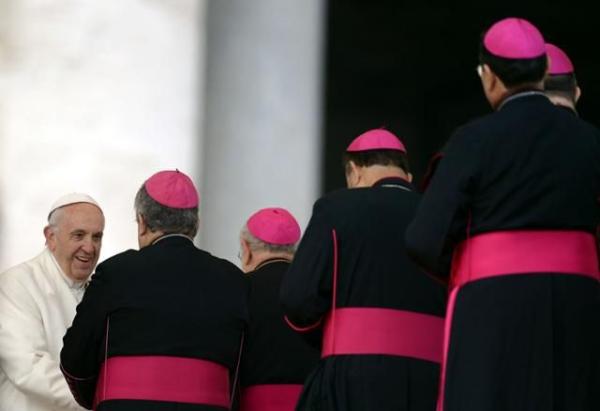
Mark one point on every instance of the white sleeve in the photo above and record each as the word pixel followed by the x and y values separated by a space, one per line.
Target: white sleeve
pixel 24 355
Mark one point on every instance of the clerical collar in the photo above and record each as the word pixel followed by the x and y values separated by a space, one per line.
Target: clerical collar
pixel 567 108
pixel 271 261
pixel 171 235
pixel 75 285
pixel 520 95
pixel 393 182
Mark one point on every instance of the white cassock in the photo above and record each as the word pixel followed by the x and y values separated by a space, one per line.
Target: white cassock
pixel 37 305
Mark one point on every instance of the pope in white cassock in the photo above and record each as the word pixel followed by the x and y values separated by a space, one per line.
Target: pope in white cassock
pixel 37 304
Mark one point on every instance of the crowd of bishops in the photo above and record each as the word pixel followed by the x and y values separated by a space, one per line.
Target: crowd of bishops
pixel 477 292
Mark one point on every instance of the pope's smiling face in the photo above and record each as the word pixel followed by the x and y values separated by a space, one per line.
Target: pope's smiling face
pixel 75 237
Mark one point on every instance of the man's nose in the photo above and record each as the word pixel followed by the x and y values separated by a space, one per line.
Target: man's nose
pixel 88 245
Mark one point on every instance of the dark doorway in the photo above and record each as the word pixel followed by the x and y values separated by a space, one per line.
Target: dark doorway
pixel 411 67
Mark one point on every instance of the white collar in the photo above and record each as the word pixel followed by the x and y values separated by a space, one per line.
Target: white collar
pixel 395 186
pixel 272 260
pixel 75 285
pixel 521 95
pixel 171 235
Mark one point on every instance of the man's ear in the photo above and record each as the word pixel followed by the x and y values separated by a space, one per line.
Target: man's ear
pixel 50 236
pixel 494 88
pixel 577 94
pixel 489 79
pixel 357 169
pixel 142 227
pixel 246 256
pixel 410 177
pixel 353 174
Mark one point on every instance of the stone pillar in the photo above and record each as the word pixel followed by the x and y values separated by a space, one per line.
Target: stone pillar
pixel 263 107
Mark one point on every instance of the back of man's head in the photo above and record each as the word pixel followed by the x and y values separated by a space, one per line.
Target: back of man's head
pixel 268 233
pixel 514 49
pixel 561 84
pixel 168 204
pixel 377 148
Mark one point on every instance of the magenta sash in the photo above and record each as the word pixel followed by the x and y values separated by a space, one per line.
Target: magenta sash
pixel 270 397
pixel 515 252
pixel 383 331
pixel 525 252
pixel 163 378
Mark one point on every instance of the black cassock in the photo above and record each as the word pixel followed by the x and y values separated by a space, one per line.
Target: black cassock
pixel 276 360
pixel 514 200
pixel 385 349
pixel 158 329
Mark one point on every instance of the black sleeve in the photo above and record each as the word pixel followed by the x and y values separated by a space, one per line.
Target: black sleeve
pixel 442 215
pixel 306 286
pixel 598 243
pixel 430 172
pixel 84 340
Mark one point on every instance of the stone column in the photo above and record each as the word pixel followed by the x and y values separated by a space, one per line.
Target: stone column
pixel 263 108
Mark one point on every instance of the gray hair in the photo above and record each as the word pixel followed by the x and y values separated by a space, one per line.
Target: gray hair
pixel 55 217
pixel 166 219
pixel 256 244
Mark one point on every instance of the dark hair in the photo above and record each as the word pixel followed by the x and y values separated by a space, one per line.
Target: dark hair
pixel 166 219
pixel 377 157
pixel 514 72
pixel 564 85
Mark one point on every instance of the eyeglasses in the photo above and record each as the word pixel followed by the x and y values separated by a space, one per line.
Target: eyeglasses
pixel 480 70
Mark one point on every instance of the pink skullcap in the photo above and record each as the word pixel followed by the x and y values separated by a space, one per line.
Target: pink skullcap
pixel 560 63
pixel 376 139
pixel 514 38
pixel 172 189
pixel 274 226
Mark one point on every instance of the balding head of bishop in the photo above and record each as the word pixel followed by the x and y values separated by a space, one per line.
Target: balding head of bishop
pixel 167 203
